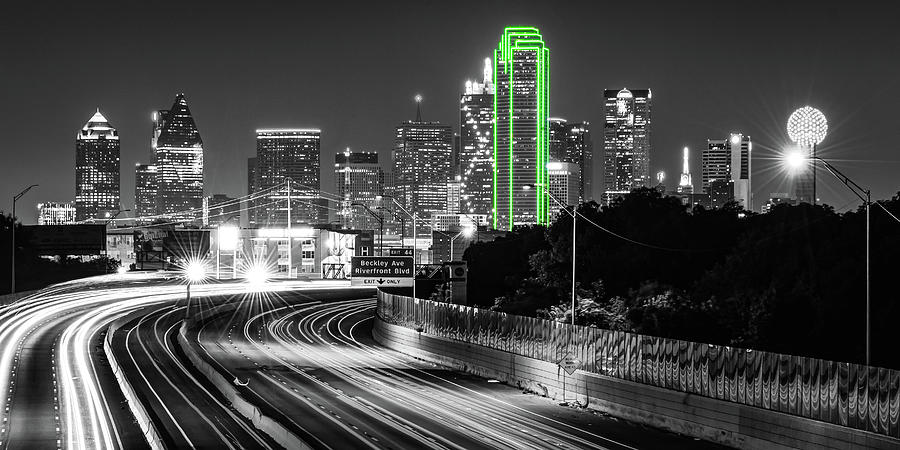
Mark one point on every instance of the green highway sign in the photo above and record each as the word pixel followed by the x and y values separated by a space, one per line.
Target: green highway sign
pixel 381 271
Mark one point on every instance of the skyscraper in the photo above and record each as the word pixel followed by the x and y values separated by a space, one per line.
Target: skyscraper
pixel 728 161
pixel 571 143
pixel 626 142
pixel 358 178
pixel 96 169
pixel 251 188
pixel 422 157
pixel 283 154
pixel 565 183
pixel 521 135
pixel 685 185
pixel 476 156
pixel 144 191
pixel 179 163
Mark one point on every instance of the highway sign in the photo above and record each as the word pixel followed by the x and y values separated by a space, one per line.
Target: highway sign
pixel 401 251
pixel 381 271
pixel 569 363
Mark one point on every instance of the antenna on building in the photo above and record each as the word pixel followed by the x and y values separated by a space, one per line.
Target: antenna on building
pixel 418 107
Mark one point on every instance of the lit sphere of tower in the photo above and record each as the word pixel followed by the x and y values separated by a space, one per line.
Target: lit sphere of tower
pixel 807 127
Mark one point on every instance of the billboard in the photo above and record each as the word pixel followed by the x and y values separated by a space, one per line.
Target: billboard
pixel 52 240
pixel 159 247
pixel 381 271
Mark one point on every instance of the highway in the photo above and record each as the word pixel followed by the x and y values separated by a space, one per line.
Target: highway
pixel 314 366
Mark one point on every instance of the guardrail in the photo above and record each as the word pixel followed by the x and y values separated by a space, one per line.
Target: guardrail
pixel 852 395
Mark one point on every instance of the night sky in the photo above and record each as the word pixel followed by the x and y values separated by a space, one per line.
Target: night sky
pixel 353 69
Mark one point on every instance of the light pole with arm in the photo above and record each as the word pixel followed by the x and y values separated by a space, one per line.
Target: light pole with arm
pixel 574 214
pixel 15 199
pixel 467 232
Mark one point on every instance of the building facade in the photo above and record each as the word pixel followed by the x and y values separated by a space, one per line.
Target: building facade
pixel 571 143
pixel 97 168
pixel 179 163
pixel 476 156
pixel 144 192
pixel 358 178
pixel 56 213
pixel 728 162
pixel 565 184
pixel 520 134
pixel 626 142
pixel 287 171
pixel 422 157
pixel 685 184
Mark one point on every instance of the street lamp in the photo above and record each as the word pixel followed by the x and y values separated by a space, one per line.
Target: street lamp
pixel 380 220
pixel 574 214
pixel 797 160
pixel 398 217
pixel 16 198
pixel 193 272
pixel 415 236
pixel 466 232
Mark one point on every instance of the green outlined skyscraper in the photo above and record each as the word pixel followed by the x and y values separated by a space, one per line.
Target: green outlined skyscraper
pixel 521 138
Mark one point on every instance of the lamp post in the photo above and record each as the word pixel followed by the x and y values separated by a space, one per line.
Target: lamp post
pixel 415 236
pixel 574 214
pixel 797 160
pixel 398 217
pixel 380 220
pixel 467 232
pixel 16 198
pixel 194 272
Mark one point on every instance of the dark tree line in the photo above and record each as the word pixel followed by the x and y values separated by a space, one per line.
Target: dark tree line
pixel 790 281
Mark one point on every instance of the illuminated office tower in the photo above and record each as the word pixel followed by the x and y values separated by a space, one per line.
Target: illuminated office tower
pixel 358 178
pixel 96 169
pixel 283 154
pixel 685 184
pixel 251 188
pixel 56 213
pixel 144 192
pixel 571 143
pixel 179 163
pixel 476 155
pixel 626 142
pixel 521 136
pixel 454 195
pixel 565 183
pixel 726 162
pixel 422 157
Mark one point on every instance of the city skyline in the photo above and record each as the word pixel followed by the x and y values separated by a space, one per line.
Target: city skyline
pixel 228 109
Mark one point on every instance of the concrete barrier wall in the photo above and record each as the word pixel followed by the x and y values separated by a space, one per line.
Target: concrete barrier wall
pixel 273 428
pixel 728 423
pixel 137 408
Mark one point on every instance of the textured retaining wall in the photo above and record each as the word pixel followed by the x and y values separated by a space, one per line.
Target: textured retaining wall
pixel 273 428
pixel 728 423
pixel 134 404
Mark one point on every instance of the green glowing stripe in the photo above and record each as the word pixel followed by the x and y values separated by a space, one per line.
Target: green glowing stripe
pixel 494 139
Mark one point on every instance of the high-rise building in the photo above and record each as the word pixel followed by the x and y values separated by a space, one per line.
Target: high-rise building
pixel 179 163
pixel 685 185
pixel 282 155
pixel 521 135
pixel 144 192
pixel 454 195
pixel 422 157
pixel 56 213
pixel 565 183
pixel 358 178
pixel 476 155
pixel 728 160
pixel 96 169
pixel 626 142
pixel 571 143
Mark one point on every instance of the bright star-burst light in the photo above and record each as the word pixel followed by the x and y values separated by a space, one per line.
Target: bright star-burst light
pixel 795 159
pixel 807 127
pixel 194 271
pixel 257 274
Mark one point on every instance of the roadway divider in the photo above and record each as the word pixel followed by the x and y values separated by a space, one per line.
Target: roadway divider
pixel 729 423
pixel 262 422
pixel 134 404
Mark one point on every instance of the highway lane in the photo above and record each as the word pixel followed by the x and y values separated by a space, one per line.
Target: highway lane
pixel 60 389
pixel 315 367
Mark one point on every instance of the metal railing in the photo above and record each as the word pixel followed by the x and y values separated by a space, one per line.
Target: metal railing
pixel 851 395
